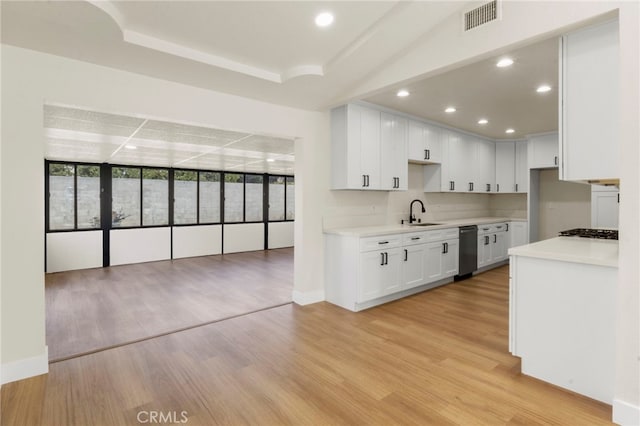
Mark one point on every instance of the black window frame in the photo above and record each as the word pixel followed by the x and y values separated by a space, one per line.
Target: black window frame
pixel 141 213
pixel 47 196
pixel 170 181
pixel 198 192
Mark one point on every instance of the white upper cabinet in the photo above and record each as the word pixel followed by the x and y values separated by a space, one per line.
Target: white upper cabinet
pixel 543 151
pixel 393 140
pixel 468 165
pixel 364 150
pixel 589 103
pixel 485 167
pixel 505 167
pixel 522 167
pixel 425 142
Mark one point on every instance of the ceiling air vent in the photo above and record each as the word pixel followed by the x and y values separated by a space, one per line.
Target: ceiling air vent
pixel 481 15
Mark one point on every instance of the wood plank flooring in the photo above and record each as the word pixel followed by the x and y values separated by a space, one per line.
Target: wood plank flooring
pixel 99 308
pixel 435 358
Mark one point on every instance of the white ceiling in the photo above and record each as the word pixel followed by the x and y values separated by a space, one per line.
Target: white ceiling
pixel 265 50
pixel 73 134
pixel 506 97
pixel 272 51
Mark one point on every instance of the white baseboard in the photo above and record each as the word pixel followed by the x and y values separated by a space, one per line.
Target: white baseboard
pixel 308 297
pixel 25 368
pixel 625 414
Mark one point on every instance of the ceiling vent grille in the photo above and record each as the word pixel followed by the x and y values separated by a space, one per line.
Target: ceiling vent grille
pixel 481 15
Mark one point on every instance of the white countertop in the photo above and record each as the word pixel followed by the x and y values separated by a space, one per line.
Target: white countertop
pixel 572 249
pixel 372 231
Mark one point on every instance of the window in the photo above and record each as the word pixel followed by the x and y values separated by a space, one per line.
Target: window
pixel 88 197
pixel 291 198
pixel 155 197
pixel 233 197
pixel 253 198
pixel 185 194
pixel 276 198
pixel 74 196
pixel 126 195
pixel 209 197
pixel 140 197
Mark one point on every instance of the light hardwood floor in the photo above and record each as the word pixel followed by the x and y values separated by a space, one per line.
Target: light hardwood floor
pixel 435 358
pixel 92 309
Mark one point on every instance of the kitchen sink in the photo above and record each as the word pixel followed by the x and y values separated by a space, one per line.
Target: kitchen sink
pixel 424 224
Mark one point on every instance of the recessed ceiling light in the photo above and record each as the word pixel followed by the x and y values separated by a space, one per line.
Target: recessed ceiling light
pixel 483 121
pixel 509 131
pixel 131 147
pixel 544 88
pixel 324 19
pixel 450 109
pixel 402 93
pixel 504 62
pixel 270 160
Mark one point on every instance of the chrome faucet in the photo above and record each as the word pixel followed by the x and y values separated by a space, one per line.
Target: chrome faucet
pixel 412 217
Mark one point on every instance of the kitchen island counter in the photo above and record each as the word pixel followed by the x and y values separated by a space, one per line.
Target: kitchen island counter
pixel 572 249
pixel 562 312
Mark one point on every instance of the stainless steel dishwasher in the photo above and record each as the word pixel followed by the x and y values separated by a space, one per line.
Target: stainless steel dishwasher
pixel 468 255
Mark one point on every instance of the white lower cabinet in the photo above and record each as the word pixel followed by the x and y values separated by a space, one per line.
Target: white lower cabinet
pixel 380 272
pixel 414 265
pixel 368 271
pixel 492 243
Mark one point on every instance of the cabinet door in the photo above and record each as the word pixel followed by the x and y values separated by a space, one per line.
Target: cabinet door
pixel 543 151
pixel 589 118
pixel 433 137
pixel 379 273
pixel 450 258
pixel 417 143
pixel 413 266
pixel 433 264
pixel 505 166
pixel 605 208
pixel 485 170
pixel 393 139
pixel 424 142
pixel 462 155
pixel 392 272
pixel 355 143
pixel 522 167
pixel 498 247
pixel 484 250
pixel 371 273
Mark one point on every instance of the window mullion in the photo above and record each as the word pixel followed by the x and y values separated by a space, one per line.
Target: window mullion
pixel 75 197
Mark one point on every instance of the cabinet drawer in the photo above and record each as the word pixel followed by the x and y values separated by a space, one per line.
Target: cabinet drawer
pixel 380 242
pixel 442 234
pixel 485 229
pixel 414 238
pixel 499 227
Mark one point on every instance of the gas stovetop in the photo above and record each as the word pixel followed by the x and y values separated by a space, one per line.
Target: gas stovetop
pixel 603 234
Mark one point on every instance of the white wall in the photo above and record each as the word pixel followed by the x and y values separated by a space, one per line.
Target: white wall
pixel 139 245
pixel 281 234
pixel 189 241
pixel 243 237
pixel 67 251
